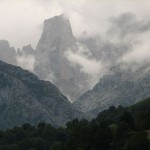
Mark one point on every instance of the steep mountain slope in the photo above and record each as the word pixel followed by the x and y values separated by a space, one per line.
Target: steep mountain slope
pixel 50 59
pixel 56 38
pixel 119 87
pixel 74 66
pixel 67 61
pixel 25 98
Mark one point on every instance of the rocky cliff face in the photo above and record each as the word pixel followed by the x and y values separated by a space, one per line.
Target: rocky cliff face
pixel 65 61
pixel 7 53
pixel 50 60
pixel 27 50
pixel 56 38
pixel 26 99
pixel 118 87
pixel 57 35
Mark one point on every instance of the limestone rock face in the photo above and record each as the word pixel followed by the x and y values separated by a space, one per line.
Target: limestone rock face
pixel 57 35
pixel 68 74
pixel 56 38
pixel 50 60
pixel 7 53
pixel 26 99
pixel 119 87
pixel 27 50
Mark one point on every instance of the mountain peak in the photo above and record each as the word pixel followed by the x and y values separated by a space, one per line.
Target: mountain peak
pixel 58 18
pixel 57 33
pixel 4 44
pixel 28 50
pixel 7 53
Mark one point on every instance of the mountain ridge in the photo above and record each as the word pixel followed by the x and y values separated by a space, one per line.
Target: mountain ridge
pixel 116 88
pixel 25 98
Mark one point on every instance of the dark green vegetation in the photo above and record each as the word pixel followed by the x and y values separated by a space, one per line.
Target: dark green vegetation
pixel 113 129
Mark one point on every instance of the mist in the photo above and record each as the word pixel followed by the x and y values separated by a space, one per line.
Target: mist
pixel 118 31
pixel 134 32
pixel 26 61
pixel 21 21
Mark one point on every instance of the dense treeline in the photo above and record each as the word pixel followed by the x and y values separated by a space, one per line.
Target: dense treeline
pixel 113 129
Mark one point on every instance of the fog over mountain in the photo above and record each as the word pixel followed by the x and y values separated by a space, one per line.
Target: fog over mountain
pixel 128 79
pixel 26 26
pixel 75 50
pixel 75 65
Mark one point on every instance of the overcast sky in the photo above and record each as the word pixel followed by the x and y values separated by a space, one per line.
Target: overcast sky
pixel 21 20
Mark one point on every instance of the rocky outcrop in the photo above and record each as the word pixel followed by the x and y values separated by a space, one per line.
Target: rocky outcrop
pixel 7 53
pixel 27 50
pixel 56 38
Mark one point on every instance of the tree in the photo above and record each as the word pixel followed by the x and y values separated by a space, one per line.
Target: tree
pixel 128 118
pixel 138 141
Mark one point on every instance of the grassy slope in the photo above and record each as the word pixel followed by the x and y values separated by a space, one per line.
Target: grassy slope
pixel 140 106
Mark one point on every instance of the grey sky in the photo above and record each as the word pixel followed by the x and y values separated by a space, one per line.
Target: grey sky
pixel 21 20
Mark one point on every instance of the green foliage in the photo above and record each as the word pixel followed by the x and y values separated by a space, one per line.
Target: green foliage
pixel 128 119
pixel 138 141
pixel 113 129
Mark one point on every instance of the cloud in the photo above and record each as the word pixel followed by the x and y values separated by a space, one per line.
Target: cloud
pixel 128 24
pixel 126 40
pixel 127 30
pixel 139 57
pixel 21 20
pixel 133 32
pixel 87 64
pixel 26 62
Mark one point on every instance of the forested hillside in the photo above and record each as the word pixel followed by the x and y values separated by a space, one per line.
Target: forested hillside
pixel 113 129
